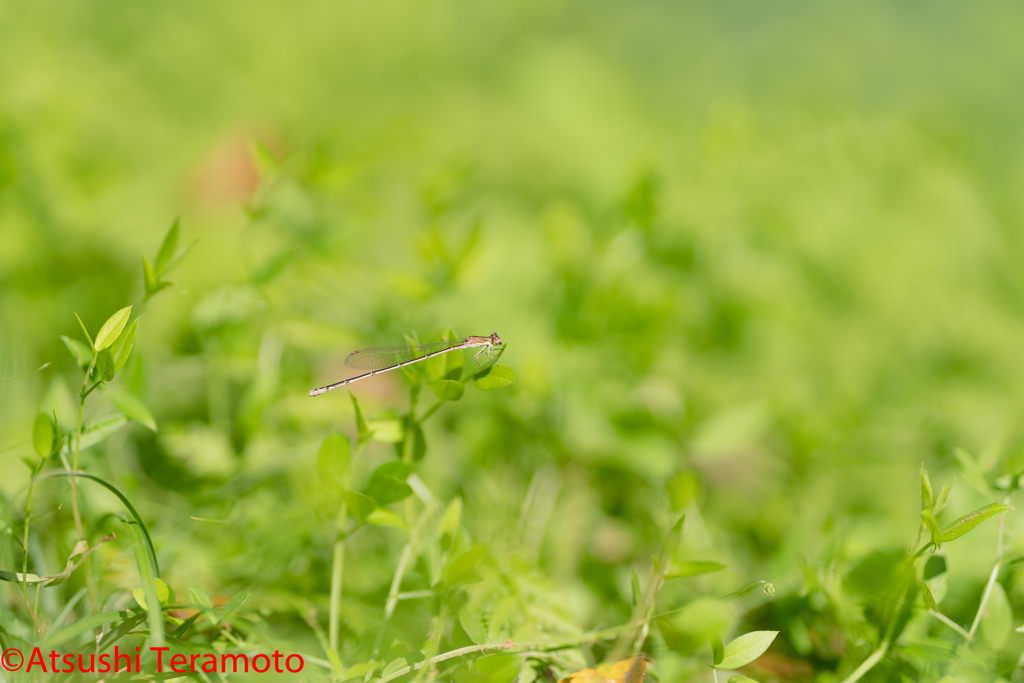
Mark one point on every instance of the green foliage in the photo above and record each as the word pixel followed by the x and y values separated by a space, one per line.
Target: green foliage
pixel 748 271
pixel 746 649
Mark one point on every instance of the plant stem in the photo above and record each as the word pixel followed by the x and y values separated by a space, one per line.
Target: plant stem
pixel 337 569
pixel 74 480
pixel 868 663
pixel 992 577
pixel 950 623
pixel 24 563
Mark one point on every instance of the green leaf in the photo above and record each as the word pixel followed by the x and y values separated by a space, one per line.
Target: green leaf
pixel 163 592
pixel 393 468
pixel 940 502
pixel 971 520
pixel 79 351
pixel 232 604
pixel 933 526
pixel 359 670
pixel 361 428
pixel 170 242
pixel 132 407
pixel 359 505
pixel 929 599
pixel 201 600
pixel 926 490
pixel 635 590
pixel 675 535
pixel 447 389
pixel 494 377
pixel 334 461
pixel 746 649
pixel 461 569
pixel 147 574
pixel 997 620
pixel 43 435
pixel 449 526
pixel 104 366
pixel 414 447
pixel 717 649
pixel 385 517
pixel 150 279
pixel 122 346
pixel 387 429
pixel 740 679
pixel 98 431
pixel 112 328
pixel 686 569
pixel 386 490
pixel 86 332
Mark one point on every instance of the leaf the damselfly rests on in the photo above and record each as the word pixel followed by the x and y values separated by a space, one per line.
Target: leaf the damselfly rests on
pixel 494 377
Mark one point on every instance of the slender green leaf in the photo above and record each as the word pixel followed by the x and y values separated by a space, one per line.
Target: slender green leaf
pixel 122 346
pixel 79 627
pixel 943 497
pixel 132 407
pixel 740 679
pixel 447 389
pixel 98 431
pixel 635 590
pixel 79 351
pixel 494 377
pixel 717 649
pixel 686 569
pixel 124 501
pixel 746 649
pixel 170 243
pixel 971 520
pixel 112 328
pixel 932 526
pixel 334 461
pixel 926 490
pixel 85 332
pixel 147 574
pixel 361 428
pixel 201 600
pixel 929 599
pixel 44 435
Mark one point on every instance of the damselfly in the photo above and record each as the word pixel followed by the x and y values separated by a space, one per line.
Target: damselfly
pixel 383 358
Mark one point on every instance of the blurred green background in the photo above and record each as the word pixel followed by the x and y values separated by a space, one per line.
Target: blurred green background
pixel 755 262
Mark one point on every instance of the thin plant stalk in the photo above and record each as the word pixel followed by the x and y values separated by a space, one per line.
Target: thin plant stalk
pixel 337 571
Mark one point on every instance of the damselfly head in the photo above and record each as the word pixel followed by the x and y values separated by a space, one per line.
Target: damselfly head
pixel 495 339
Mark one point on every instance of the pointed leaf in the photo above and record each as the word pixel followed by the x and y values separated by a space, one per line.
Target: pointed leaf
pixel 740 679
pixel 81 353
pixel 201 600
pixel 926 490
pixel 933 527
pixel 122 346
pixel 333 461
pixel 132 407
pixel 170 243
pixel 361 428
pixel 461 569
pixel 929 599
pixel 112 328
pixel 43 435
pixel 414 447
pixel 85 332
pixel 717 649
pixel 943 497
pixel 494 377
pixel 746 649
pixel 386 490
pixel 971 520
pixel 687 569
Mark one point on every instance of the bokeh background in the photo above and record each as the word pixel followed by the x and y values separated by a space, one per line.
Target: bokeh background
pixel 755 262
